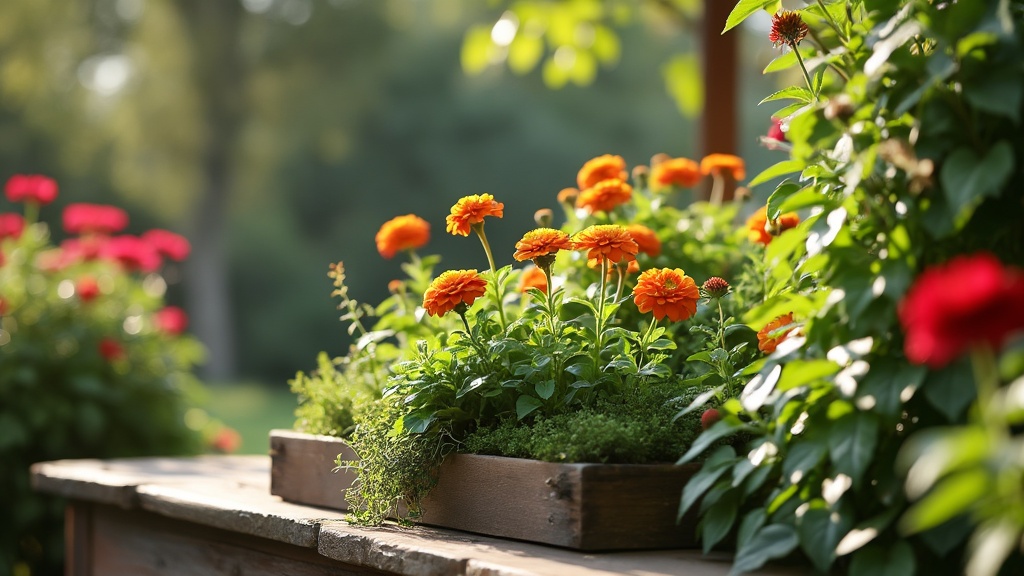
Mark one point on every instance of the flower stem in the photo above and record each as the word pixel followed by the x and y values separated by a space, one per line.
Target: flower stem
pixel 721 323
pixel 479 229
pixel 986 380
pixel 717 189
pixel 803 68
pixel 31 213
pixel 621 270
pixel 599 321
pixel 551 300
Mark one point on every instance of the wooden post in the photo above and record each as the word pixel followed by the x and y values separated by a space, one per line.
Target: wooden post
pixel 719 122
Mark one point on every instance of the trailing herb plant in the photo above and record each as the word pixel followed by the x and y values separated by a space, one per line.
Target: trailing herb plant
pixel 874 448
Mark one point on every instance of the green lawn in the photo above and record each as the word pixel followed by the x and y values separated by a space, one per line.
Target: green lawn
pixel 253 410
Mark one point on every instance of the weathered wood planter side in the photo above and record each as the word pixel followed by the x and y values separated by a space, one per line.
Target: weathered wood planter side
pixel 302 465
pixel 582 506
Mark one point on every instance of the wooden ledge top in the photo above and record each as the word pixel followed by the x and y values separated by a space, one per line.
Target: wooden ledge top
pixel 233 493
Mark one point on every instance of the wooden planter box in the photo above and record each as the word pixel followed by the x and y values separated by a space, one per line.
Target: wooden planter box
pixel 581 506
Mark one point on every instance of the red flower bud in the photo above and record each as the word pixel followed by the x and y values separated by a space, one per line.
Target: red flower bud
pixel 709 417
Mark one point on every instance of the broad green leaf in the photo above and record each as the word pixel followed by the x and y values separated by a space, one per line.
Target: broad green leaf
pixel 699 401
pixel 545 389
pixel 805 198
pixel 525 405
pixel 954 495
pixel 950 390
pixel 770 542
pixel 821 530
pixel 787 60
pixel 998 93
pixel 719 519
pixel 800 372
pixel 967 178
pixel 749 526
pixel 776 170
pixel 792 93
pixel 783 191
pixel 802 456
pixel 719 430
pixel 743 10
pixel 881 560
pixel 713 468
pixel 852 444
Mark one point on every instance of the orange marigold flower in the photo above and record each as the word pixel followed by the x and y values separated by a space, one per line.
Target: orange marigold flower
pixel 666 292
pixel 601 168
pixel 723 164
pixel 769 337
pixel 759 231
pixel 646 239
pixel 632 267
pixel 604 196
pixel 470 210
pixel 533 277
pixel 452 288
pixel 541 242
pixel 407 232
pixel 679 172
pixel 788 28
pixel 608 241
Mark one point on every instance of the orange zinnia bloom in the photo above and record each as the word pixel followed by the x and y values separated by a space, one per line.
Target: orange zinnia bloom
pixel 757 225
pixel 631 268
pixel 723 163
pixel 601 168
pixel 407 232
pixel 766 341
pixel 646 239
pixel 541 242
pixel 679 172
pixel 452 288
pixel 666 292
pixel 604 196
pixel 533 277
pixel 608 241
pixel 471 210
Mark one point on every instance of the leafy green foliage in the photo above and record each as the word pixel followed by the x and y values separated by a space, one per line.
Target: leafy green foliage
pixel 902 163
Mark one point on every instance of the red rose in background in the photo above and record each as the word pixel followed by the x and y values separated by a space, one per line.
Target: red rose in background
pixel 172 320
pixel 87 288
pixel 11 226
pixel 227 440
pixel 132 253
pixel 953 306
pixel 111 349
pixel 169 244
pixel 31 188
pixel 82 218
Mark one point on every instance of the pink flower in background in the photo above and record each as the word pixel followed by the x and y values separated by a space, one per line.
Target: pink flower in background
pixel 131 252
pixel 31 188
pixel 87 288
pixel 83 218
pixel 172 320
pixel 11 226
pixel 171 245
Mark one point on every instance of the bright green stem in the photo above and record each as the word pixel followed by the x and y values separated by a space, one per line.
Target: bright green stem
pixel 599 321
pixel 646 341
pixel 721 323
pixel 986 380
pixel 621 270
pixel 551 300
pixel 803 68
pixel 479 229
pixel 31 213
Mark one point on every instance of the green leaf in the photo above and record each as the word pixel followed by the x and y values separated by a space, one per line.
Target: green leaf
pixel 950 390
pixel 544 389
pixel 999 93
pixel 717 464
pixel 802 456
pixel 852 444
pixel 967 178
pixel 801 372
pixel 776 170
pixel 743 10
pixel 718 520
pixel 783 191
pixel 954 495
pixel 820 532
pixel 879 560
pixel 526 404
pixel 719 430
pixel 789 93
pixel 771 541
pixel 787 60
pixel 749 526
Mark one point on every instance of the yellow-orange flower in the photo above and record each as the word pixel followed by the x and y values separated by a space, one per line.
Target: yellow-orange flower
pixel 604 196
pixel 608 241
pixel 766 341
pixel 533 277
pixel 666 292
pixel 407 232
pixel 723 164
pixel 646 239
pixel 541 242
pixel 757 225
pixel 679 172
pixel 601 168
pixel 470 210
pixel 452 288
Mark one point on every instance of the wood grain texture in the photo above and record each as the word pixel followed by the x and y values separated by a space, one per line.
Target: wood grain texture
pixel 302 469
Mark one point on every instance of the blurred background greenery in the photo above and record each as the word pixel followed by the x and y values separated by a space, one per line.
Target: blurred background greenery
pixel 278 135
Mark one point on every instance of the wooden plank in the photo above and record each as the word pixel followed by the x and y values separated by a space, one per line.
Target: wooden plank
pixel 78 538
pixel 143 544
pixel 302 469
pixel 720 121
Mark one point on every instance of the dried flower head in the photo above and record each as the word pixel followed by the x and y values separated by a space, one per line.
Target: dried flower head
pixel 666 292
pixel 774 332
pixel 607 241
pixel 715 287
pixel 541 242
pixel 788 28
pixel 470 210
pixel 452 288
pixel 761 231
pixel 407 232
pixel 646 239
pixel 601 168
pixel 604 196
pixel 722 164
pixel 675 172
